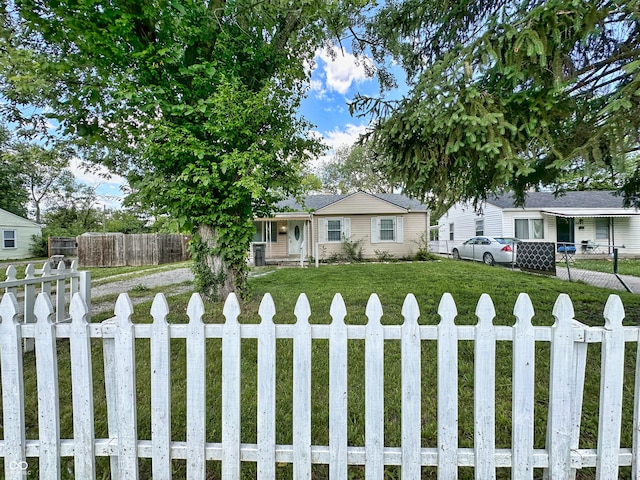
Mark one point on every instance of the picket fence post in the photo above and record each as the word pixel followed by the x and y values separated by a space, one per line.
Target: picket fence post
pixel 160 388
pixel 411 391
pixel 523 378
pixel 560 422
pixel 29 303
pixel 612 379
pixel 82 390
pixel 231 389
pixel 484 390
pixel 338 390
pixel 447 390
pixel 196 389
pixel 374 391
pixel 15 455
pixel 266 390
pixel 125 373
pixel 302 391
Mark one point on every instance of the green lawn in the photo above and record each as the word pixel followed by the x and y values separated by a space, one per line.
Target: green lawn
pixel 392 282
pixel 625 266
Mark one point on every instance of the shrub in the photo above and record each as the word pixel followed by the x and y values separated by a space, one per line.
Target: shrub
pixel 39 246
pixel 352 250
pixel 384 256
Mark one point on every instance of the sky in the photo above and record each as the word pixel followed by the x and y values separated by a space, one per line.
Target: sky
pixel 335 81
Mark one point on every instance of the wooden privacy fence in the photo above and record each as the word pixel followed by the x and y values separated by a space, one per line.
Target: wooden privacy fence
pixel 66 246
pixel 561 456
pixel 119 249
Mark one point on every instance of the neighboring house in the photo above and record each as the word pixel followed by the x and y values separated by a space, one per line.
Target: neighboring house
pixel 15 234
pixel 388 223
pixel 595 221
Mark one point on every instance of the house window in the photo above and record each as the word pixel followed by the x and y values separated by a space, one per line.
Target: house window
pixel 602 229
pixel 266 232
pixel 8 239
pixel 451 231
pixel 529 228
pixel 479 226
pixel 387 230
pixel 334 230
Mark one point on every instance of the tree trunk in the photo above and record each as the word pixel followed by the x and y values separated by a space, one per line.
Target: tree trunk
pixel 220 281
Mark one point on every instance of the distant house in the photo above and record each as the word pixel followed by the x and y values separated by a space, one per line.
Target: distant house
pixel 594 221
pixel 16 233
pixel 387 223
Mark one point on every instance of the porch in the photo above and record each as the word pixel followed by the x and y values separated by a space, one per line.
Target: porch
pixel 286 240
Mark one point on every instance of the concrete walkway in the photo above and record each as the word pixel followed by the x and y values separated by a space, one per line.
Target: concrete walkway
pixel 599 279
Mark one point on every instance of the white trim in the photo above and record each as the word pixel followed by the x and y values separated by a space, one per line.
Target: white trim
pixel 4 238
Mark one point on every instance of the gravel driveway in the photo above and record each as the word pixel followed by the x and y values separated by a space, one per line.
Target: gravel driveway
pixel 169 278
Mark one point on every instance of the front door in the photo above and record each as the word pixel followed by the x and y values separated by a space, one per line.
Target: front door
pixel 296 237
pixel 565 228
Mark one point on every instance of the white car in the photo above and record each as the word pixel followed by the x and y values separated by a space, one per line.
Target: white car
pixel 490 250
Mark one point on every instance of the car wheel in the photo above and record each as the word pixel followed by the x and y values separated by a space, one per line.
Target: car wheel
pixel 456 254
pixel 487 258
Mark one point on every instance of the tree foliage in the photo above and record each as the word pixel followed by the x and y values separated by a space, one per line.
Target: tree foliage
pixel 507 94
pixel 354 168
pixel 42 171
pixel 13 197
pixel 196 102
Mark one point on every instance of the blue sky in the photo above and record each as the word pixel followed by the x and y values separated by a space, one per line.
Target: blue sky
pixel 335 81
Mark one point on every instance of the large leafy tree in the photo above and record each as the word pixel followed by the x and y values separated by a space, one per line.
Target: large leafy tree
pixel 196 102
pixel 353 168
pixel 507 94
pixel 13 197
pixel 41 171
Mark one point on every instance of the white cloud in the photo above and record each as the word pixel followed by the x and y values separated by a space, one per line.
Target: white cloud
pixel 347 136
pixel 342 69
pixel 336 138
pixel 94 176
pixel 318 87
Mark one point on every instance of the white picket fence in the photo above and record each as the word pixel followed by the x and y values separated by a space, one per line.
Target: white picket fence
pixel 59 283
pixel 560 458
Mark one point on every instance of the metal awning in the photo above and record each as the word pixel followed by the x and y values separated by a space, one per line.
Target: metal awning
pixel 591 213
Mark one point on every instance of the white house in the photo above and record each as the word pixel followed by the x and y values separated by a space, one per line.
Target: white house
pixel 16 233
pixel 389 223
pixel 593 221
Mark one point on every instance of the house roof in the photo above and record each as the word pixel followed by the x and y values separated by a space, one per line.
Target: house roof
pixel 572 200
pixel 317 202
pixel 20 219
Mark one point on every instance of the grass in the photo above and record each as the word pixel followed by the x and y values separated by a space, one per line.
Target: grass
pixel 392 282
pixel 625 266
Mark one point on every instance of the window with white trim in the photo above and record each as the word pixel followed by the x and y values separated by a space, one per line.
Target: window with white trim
pixel 386 229
pixel 529 228
pixel 479 226
pixel 266 232
pixel 8 239
pixel 334 229
pixel 451 231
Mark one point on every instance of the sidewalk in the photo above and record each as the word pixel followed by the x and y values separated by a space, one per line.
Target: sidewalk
pixel 599 279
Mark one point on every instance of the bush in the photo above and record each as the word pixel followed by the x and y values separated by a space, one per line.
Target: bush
pixel 384 256
pixel 39 246
pixel 352 250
